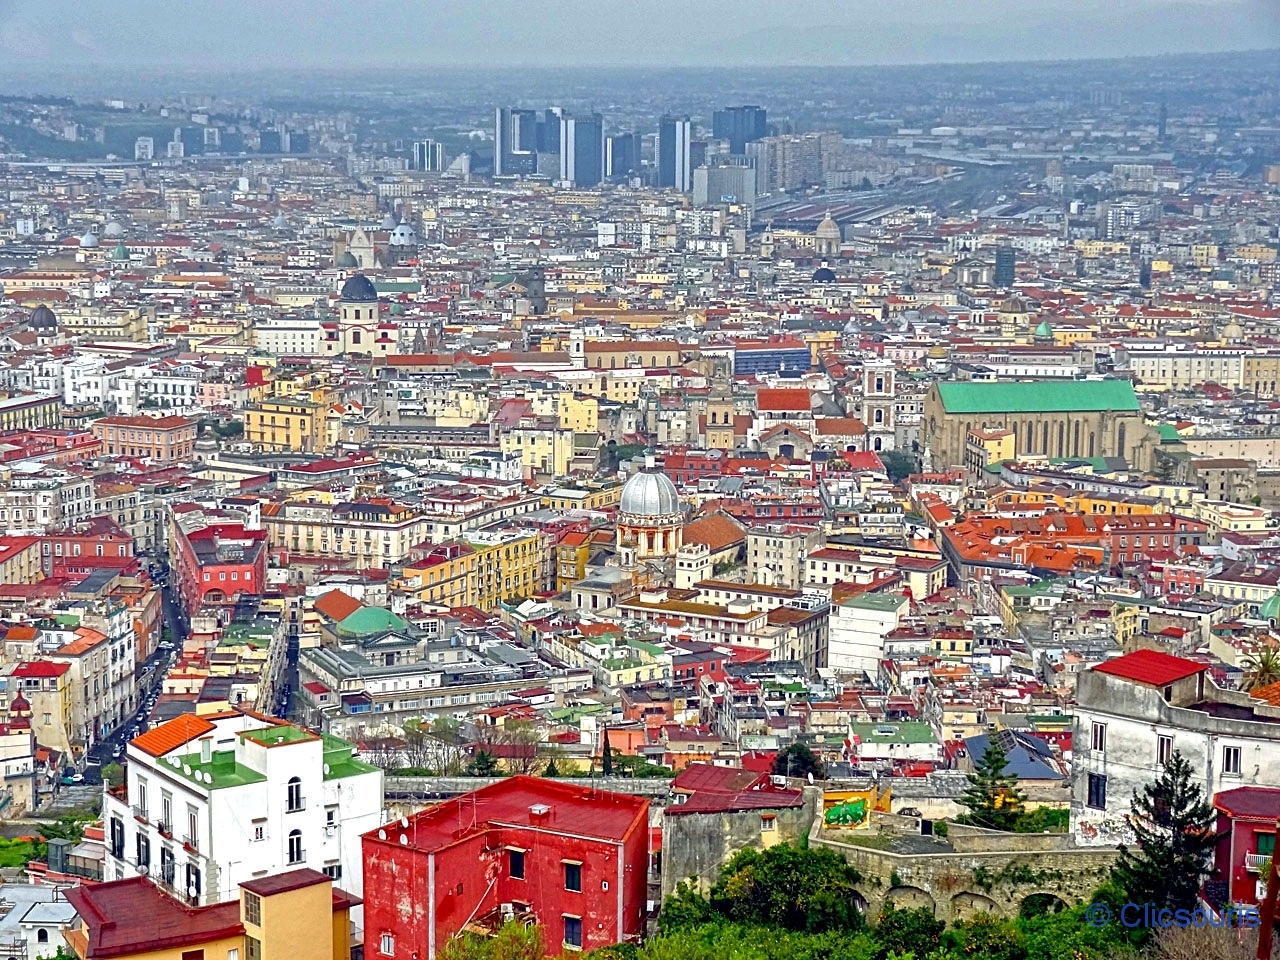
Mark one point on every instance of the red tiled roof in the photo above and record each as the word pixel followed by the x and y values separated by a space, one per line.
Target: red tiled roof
pixel 133 916
pixel 1151 667
pixel 718 531
pixel 181 729
pixel 336 605
pixel 706 776
pixel 778 398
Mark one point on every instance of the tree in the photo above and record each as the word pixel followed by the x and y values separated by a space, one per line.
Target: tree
pixel 897 464
pixel 449 746
pixel 993 797
pixel 113 774
pixel 513 941
pixel 606 759
pixel 1173 827
pixel 1261 669
pixel 796 888
pixel 525 737
pixel 797 760
pixel 915 933
pixel 551 770
pixel 482 764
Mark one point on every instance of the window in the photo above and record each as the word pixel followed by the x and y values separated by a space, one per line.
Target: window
pixel 333 871
pixel 573 932
pixel 1231 761
pixel 1098 738
pixel 233 954
pixel 144 851
pixel 1266 843
pixel 296 854
pixel 768 821
pixel 295 801
pixel 515 859
pixel 252 948
pixel 192 955
pixel 252 909
pixel 388 946
pixel 1164 749
pixel 573 877
pixel 1097 792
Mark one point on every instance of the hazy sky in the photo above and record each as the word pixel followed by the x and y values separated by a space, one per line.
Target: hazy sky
pixel 418 33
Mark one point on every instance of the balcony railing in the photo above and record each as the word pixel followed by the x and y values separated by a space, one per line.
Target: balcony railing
pixel 1254 861
pixel 297 856
pixel 166 830
pixel 139 813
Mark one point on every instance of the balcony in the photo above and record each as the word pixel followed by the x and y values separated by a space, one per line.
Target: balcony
pixel 297 856
pixel 1254 861
pixel 189 844
pixel 166 829
pixel 139 814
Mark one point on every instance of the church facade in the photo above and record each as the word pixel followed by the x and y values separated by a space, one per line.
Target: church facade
pixel 1049 418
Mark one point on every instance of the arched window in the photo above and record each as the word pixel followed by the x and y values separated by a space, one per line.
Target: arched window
pixel 1120 441
pixel 294 800
pixel 1091 445
pixel 1075 443
pixel 296 853
pixel 42 936
pixel 1062 438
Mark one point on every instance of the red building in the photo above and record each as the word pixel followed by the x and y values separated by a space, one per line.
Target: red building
pixel 1246 839
pixel 572 858
pixel 96 544
pixel 218 563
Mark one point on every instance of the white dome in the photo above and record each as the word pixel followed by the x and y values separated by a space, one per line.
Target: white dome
pixel 113 230
pixel 828 229
pixel 89 240
pixel 403 235
pixel 650 493
pixel 388 222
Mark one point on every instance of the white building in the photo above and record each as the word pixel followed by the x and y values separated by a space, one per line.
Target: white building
pixel 288 336
pixel 1133 712
pixel 858 628
pixel 213 801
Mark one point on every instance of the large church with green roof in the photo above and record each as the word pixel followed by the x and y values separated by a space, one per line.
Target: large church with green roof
pixel 1048 418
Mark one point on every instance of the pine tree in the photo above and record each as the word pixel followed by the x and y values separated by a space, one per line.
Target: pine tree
pixel 482 764
pixel 1174 829
pixel 551 770
pixel 606 760
pixel 993 797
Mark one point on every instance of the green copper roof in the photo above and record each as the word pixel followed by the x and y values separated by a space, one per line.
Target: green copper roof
pixel 370 620
pixel 1044 330
pixel 1270 609
pixel 1037 396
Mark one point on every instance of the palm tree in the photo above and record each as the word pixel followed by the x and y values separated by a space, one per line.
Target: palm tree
pixel 1262 669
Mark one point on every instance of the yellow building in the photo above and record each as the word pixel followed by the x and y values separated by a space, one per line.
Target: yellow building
pixel 985 447
pixel 480 570
pixel 579 413
pixel 286 424
pixel 298 914
pixel 543 449
pixel 584 496
pixel 1204 255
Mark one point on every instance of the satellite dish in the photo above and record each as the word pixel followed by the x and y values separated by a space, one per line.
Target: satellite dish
pixel 143 869
pixel 191 889
pixel 382 834
pixel 811 777
pixel 186 768
pixel 326 769
pixel 404 839
pixel 404 823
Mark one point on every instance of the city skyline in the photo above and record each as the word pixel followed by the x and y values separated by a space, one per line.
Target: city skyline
pixel 324 34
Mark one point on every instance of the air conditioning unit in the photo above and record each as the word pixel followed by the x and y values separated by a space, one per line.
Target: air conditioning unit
pixel 330 829
pixel 507 910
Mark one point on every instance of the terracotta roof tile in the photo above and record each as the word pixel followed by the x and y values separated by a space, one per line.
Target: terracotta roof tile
pixel 181 729
pixel 336 605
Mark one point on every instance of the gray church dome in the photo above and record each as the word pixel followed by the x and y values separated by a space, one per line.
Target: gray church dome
pixel 650 493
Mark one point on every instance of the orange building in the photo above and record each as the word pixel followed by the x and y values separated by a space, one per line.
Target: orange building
pixel 161 439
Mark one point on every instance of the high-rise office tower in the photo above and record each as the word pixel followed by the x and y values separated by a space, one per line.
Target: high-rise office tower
pixel 1006 260
pixel 621 154
pixel 515 142
pixel 740 126
pixel 269 141
pixel 144 148
pixel 429 155
pixel 299 141
pixel 582 149
pixel 675 140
